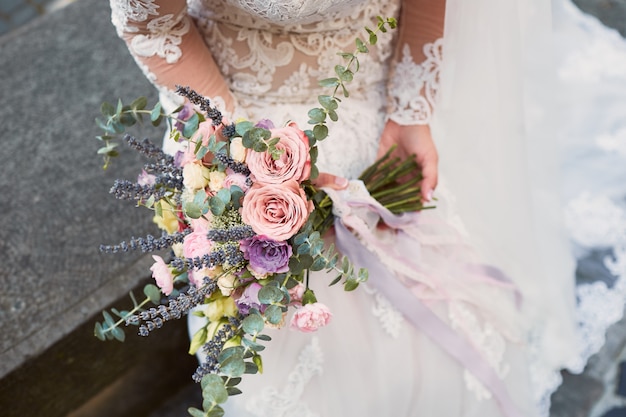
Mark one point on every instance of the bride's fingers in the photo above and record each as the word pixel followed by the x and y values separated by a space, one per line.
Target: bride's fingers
pixel 429 172
pixel 331 181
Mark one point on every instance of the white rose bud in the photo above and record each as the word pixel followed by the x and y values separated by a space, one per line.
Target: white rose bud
pixel 237 150
pixel 195 176
pixel 216 180
pixel 226 284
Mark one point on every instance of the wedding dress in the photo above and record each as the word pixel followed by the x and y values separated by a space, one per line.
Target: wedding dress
pixel 487 101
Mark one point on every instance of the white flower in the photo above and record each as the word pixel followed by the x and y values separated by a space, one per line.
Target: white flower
pixel 237 150
pixel 195 176
pixel 216 180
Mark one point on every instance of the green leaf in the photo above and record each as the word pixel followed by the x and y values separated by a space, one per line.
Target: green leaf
pixel 304 249
pixel 224 195
pixel 253 324
pixel 328 102
pixel 258 362
pixel 217 206
pixel 345 91
pixel 242 127
pixel 213 389
pixel 107 109
pixel 236 194
pixel 251 367
pixel 216 411
pixel 231 382
pixel 314 172
pixel 259 146
pixel 98 331
pixel 233 391
pixel 252 345
pixel 263 337
pixel 155 114
pixel 139 103
pixel 118 334
pixel 198 339
pixel 309 297
pixel 350 284
pixel 194 412
pixel 108 319
pixel 319 264
pixel 335 281
pixel 191 126
pixel 306 261
pixel 317 115
pixel 329 82
pixel 346 76
pixel 273 314
pixel 270 295
pixel 153 293
pixel 300 238
pixel 120 107
pixel 192 210
pixel 360 46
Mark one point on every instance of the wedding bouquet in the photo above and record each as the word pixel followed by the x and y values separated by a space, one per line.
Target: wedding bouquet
pixel 244 219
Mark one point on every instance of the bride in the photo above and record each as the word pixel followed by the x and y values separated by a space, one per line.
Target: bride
pixel 465 86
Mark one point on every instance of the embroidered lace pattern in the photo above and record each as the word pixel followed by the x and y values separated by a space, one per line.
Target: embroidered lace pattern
pixel 164 33
pixel 485 338
pixel 277 51
pixel 413 88
pixel 273 403
pixel 389 317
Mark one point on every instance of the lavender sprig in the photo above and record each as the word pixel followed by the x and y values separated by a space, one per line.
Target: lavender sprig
pixel 149 149
pixel 128 190
pixel 147 244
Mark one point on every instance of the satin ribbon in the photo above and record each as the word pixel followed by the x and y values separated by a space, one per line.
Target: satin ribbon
pixel 403 299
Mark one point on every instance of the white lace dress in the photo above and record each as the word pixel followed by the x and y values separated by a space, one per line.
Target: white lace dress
pixel 371 361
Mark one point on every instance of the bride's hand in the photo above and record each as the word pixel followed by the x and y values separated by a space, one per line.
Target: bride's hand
pixel 413 139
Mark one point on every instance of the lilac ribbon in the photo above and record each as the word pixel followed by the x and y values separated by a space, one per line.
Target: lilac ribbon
pixel 422 318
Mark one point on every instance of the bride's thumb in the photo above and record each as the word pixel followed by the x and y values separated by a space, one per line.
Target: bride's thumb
pixel 330 181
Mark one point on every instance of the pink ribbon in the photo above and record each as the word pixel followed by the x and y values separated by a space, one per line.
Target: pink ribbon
pixel 406 301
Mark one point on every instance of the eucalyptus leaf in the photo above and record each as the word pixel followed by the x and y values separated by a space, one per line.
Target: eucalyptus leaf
pixel 258 362
pixel 329 82
pixel 328 102
pixel 233 366
pixel 198 340
pixel 213 389
pixel 233 391
pixel 107 109
pixel 231 382
pixel 139 103
pixel 242 127
pixel 217 206
pixel 320 131
pixel 300 238
pixel 98 331
pixel 216 411
pixel 153 293
pixel 231 351
pixel 118 334
pixel 224 195
pixel 192 209
pixel 319 264
pixel 191 125
pixel 251 367
pixel 155 114
pixel 274 314
pixel 306 261
pixel 194 412
pixel 270 295
pixel 317 115
pixel 303 249
pixel 335 281
pixel 108 319
pixel 350 284
pixel 264 337
pixel 360 46
pixel 252 345
pixel 253 324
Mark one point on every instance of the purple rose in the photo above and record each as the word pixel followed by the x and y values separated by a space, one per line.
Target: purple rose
pixel 249 299
pixel 183 115
pixel 265 124
pixel 266 256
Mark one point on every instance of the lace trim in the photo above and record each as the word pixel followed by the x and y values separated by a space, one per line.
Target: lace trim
pixel 281 61
pixel 272 403
pixel 123 11
pixel 486 339
pixel 413 89
pixel 389 317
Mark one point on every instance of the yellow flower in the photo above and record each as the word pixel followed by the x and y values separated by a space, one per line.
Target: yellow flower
pixel 168 220
pixel 220 307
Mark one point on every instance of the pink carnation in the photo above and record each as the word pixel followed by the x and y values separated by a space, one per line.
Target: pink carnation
pixel 277 211
pixel 311 317
pixel 296 293
pixel 196 244
pixel 294 162
pixel 235 178
pixel 162 275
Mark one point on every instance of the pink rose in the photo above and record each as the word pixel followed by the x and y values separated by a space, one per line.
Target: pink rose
pixel 162 275
pixel 204 132
pixel 277 211
pixel 296 293
pixel 311 317
pixel 294 162
pixel 235 178
pixel 195 245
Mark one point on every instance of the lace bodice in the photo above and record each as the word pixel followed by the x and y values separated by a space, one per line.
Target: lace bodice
pixel 279 50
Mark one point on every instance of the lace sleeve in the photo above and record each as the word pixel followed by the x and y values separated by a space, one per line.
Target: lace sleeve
pixel 168 48
pixel 415 77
